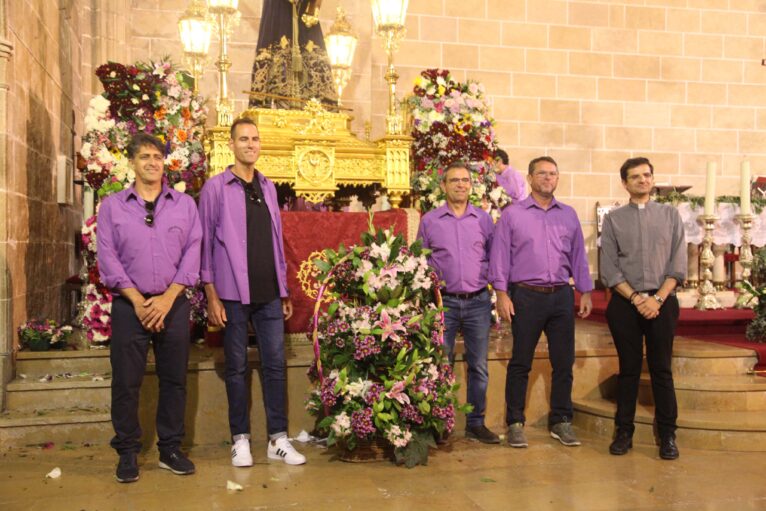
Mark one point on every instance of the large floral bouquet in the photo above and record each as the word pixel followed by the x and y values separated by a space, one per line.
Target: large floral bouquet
pixel 152 97
pixel 451 122
pixel 380 370
pixel 95 308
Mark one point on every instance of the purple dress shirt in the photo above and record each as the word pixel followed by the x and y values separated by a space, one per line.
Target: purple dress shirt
pixel 513 182
pixel 224 241
pixel 148 258
pixel 460 246
pixel 539 247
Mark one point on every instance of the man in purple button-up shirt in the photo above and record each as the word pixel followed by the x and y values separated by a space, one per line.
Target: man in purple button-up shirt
pixel 244 271
pixel 460 236
pixel 538 247
pixel 149 239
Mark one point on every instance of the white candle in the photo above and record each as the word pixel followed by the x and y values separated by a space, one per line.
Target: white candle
pixel 744 191
pixel 710 189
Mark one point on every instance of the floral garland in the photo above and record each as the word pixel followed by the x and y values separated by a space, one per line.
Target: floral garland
pixel 154 98
pixel 380 370
pixel 451 122
pixel 157 99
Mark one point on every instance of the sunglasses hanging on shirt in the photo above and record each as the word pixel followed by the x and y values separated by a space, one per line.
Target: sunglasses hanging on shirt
pixel 252 194
pixel 149 207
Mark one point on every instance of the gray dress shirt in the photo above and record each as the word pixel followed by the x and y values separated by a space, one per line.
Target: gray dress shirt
pixel 643 246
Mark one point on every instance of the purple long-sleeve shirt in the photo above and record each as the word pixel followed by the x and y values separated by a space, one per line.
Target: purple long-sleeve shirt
pixel 224 240
pixel 132 254
pixel 513 183
pixel 539 247
pixel 460 246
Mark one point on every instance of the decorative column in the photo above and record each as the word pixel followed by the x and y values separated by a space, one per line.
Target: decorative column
pixel 6 321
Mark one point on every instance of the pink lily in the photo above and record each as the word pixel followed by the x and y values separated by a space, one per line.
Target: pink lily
pixel 390 328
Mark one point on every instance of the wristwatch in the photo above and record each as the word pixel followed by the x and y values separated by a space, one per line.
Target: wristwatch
pixel 659 299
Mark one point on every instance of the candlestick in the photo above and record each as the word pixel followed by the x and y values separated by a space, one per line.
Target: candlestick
pixel 745 259
pixel 707 299
pixel 744 192
pixel 710 189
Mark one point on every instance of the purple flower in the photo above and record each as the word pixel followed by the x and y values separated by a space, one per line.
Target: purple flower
pixel 365 346
pixel 361 423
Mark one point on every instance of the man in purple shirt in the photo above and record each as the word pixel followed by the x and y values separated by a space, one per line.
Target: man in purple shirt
pixel 149 240
pixel 245 276
pixel 460 236
pixel 507 177
pixel 538 247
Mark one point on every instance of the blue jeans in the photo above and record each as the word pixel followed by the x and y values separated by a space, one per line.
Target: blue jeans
pixel 537 313
pixel 473 316
pixel 268 322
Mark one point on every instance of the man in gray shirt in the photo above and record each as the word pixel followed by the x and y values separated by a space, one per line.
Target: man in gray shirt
pixel 643 260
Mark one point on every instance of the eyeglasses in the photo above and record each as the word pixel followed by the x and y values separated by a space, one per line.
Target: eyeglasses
pixel 252 194
pixel 456 180
pixel 149 207
pixel 546 174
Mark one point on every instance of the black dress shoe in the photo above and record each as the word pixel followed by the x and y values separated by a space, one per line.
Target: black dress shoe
pixel 482 434
pixel 622 443
pixel 668 448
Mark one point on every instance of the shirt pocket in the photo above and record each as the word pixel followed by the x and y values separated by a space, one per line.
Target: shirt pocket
pixel 175 239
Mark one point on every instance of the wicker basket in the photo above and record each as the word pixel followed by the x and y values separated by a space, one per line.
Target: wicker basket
pixel 367 451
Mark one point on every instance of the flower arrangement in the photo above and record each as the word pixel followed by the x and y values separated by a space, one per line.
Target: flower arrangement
pixel 451 122
pixel 379 369
pixel 198 302
pixel 152 97
pixel 96 305
pixel 41 335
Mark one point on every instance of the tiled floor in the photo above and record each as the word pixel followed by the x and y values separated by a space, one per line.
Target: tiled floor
pixel 466 475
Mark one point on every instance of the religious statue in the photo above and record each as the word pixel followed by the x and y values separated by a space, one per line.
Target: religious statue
pixel 291 64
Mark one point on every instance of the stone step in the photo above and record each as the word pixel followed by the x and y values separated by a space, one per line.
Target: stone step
pixel 711 393
pixel 75 425
pixel 705 358
pixel 699 429
pixel 75 392
pixel 55 362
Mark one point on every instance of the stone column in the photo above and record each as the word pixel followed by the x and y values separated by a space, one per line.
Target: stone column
pixel 6 321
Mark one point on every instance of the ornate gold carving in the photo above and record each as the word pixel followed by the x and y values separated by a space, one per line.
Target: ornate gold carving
pixel 307 276
pixel 315 166
pixel 319 123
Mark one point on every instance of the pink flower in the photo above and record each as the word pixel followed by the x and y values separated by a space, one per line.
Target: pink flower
pixel 390 327
pixel 397 393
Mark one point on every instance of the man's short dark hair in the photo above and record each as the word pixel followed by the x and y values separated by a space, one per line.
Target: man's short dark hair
pixel 455 165
pixel 241 120
pixel 538 160
pixel 142 139
pixel 632 163
pixel 502 155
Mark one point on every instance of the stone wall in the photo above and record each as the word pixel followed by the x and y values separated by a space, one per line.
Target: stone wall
pixel 587 82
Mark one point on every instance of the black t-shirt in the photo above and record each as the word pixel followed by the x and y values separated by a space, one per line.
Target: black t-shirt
pixel 261 270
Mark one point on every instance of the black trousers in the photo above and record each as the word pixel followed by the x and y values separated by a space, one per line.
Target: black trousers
pixel 128 350
pixel 537 313
pixel 629 328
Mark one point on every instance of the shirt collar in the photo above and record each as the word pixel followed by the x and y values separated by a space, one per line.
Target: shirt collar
pixel 530 202
pixel 444 209
pixel 165 192
pixel 635 206
pixel 230 177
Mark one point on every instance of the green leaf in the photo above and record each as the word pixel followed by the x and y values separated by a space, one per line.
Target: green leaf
pixel 424 407
pixel 332 308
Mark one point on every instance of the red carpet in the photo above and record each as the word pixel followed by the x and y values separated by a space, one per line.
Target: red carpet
pixel 691 321
pixel 725 326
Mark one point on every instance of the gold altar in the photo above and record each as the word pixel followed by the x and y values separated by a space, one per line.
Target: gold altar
pixel 314 151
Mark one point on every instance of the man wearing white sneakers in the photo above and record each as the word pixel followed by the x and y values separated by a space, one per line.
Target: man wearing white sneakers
pixel 244 271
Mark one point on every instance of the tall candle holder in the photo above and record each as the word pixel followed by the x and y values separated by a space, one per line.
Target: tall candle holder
pixel 745 258
pixel 707 299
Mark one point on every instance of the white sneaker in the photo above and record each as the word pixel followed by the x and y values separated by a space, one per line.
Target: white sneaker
pixel 240 453
pixel 282 449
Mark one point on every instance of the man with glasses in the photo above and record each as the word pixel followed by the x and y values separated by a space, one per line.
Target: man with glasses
pixel 643 261
pixel 245 276
pixel 460 236
pixel 149 238
pixel 538 247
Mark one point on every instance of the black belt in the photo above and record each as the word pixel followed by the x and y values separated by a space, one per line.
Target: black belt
pixel 465 296
pixel 540 289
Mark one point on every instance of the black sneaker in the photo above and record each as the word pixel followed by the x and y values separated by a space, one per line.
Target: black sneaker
pixel 482 434
pixel 127 468
pixel 623 442
pixel 176 462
